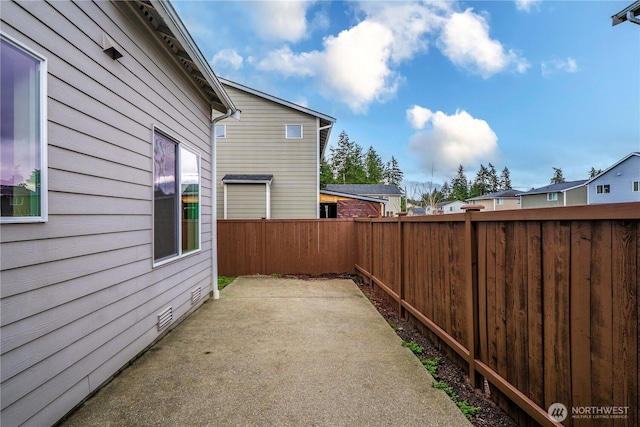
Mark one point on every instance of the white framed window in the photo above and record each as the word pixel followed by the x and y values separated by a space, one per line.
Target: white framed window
pixel 293 131
pixel 23 141
pixel 221 131
pixel 551 197
pixel 603 189
pixel 499 201
pixel 635 186
pixel 176 198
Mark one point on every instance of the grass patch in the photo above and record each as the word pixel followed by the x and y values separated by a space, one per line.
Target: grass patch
pixel 224 281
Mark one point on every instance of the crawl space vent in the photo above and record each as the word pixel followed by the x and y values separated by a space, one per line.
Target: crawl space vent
pixel 165 317
pixel 196 295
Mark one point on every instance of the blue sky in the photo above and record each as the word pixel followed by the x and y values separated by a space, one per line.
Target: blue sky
pixel 526 84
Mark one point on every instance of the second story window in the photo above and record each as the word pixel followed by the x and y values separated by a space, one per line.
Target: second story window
pixel 552 197
pixel 499 201
pixel 293 131
pixel 636 186
pixel 603 189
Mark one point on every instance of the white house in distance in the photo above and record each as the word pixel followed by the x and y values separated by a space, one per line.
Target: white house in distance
pixel 268 163
pixel 107 226
pixel 618 184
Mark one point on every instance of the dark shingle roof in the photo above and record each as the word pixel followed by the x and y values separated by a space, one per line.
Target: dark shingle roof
pixel 247 179
pixel 499 195
pixel 366 189
pixel 553 188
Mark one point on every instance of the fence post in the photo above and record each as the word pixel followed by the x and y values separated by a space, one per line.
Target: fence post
pixel 400 275
pixel 471 274
pixel 264 244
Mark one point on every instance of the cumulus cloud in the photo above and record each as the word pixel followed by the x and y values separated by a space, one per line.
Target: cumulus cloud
pixel 465 41
pixel 281 20
pixel 446 141
pixel 227 58
pixel 527 5
pixel 359 65
pixel 566 65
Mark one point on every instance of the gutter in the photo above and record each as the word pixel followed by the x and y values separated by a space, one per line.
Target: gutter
pixel 235 113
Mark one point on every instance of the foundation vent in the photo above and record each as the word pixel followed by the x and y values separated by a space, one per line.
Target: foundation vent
pixel 165 317
pixel 196 295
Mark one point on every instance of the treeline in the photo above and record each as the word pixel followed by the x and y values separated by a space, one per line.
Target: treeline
pixel 348 163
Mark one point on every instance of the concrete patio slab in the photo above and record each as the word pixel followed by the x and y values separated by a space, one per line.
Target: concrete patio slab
pixel 276 352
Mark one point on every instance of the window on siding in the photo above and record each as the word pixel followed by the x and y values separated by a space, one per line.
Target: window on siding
pixel 552 197
pixel 221 131
pixel 294 131
pixel 636 186
pixel 499 201
pixel 23 151
pixel 603 189
pixel 176 200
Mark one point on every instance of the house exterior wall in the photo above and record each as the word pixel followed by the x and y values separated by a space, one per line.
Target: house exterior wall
pixel 453 207
pixel 540 201
pixel 577 196
pixel 80 295
pixel 491 204
pixel 393 205
pixel 245 201
pixel 256 144
pixel 620 180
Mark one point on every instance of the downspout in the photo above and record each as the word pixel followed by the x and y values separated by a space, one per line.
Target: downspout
pixel 319 161
pixel 214 202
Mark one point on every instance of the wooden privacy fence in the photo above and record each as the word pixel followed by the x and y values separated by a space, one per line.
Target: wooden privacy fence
pixel 542 303
pixel 285 246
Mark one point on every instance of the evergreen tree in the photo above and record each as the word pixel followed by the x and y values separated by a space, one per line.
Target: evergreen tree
pixel 374 167
pixel 594 172
pixel 494 183
pixel 347 161
pixel 392 174
pixel 558 177
pixel 505 179
pixel 459 188
pixel 326 174
pixel 481 184
pixel 445 190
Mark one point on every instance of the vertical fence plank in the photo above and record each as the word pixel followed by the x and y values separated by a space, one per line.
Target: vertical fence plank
pixel 601 317
pixel 534 315
pixel 556 259
pixel 482 292
pixel 625 333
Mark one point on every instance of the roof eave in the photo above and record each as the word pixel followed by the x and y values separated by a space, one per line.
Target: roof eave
pixel 621 16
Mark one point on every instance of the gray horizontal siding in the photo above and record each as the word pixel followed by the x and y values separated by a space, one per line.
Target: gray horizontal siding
pixel 246 201
pixel 257 145
pixel 79 295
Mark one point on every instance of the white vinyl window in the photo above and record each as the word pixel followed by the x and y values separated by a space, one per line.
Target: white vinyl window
pixel 552 197
pixel 499 201
pixel 636 186
pixel 294 131
pixel 23 140
pixel 176 199
pixel 603 189
pixel 221 131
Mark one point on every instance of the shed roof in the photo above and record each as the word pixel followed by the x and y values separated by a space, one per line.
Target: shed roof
pixel 366 189
pixel 353 196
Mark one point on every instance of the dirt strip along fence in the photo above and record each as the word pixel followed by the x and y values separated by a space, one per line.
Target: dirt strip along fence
pixel 542 303
pixel 275 246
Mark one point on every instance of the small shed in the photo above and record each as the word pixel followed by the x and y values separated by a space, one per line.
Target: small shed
pixel 334 204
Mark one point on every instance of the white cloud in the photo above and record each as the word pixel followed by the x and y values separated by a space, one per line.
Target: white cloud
pixel 567 65
pixel 450 140
pixel 281 20
pixel 465 41
pixel 527 5
pixel 227 58
pixel 288 63
pixel 419 116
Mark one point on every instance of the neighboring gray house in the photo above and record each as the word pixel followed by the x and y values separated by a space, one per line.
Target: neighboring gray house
pixel 618 184
pixel 107 229
pixel 275 139
pixel 498 201
pixel 570 193
pixel 392 194
pixel 416 211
